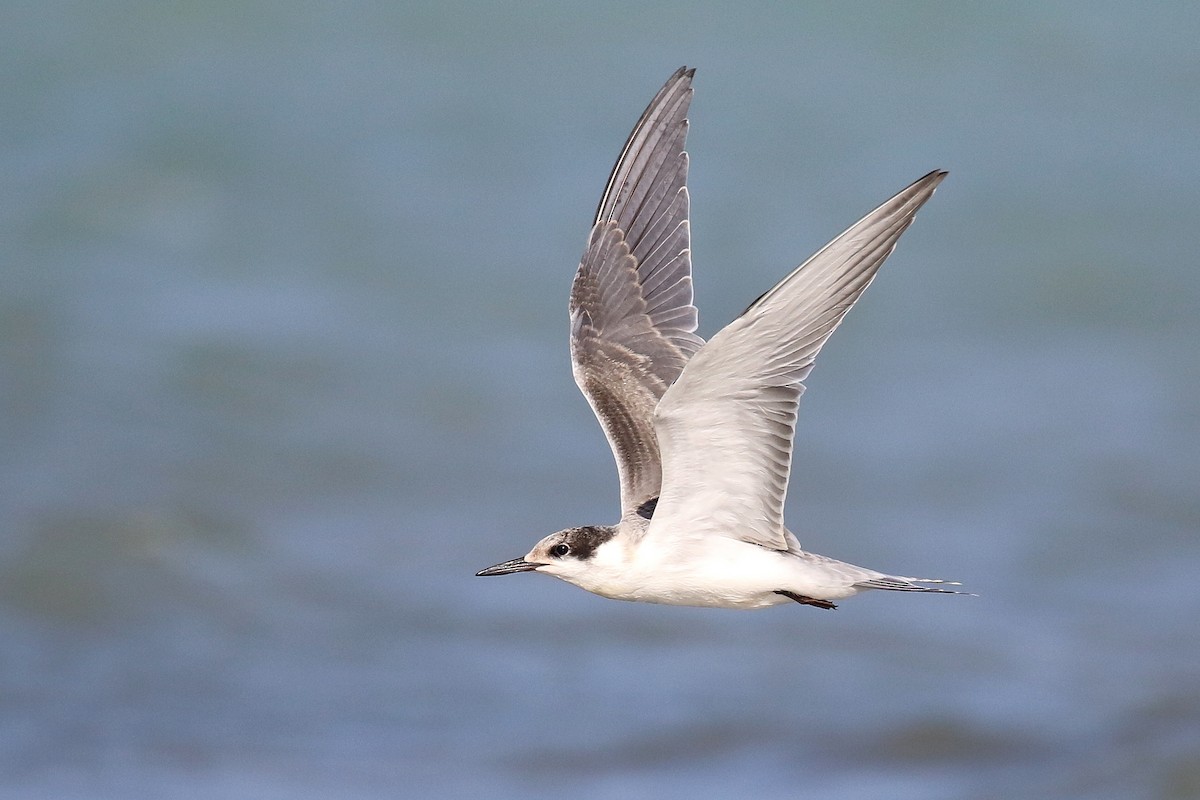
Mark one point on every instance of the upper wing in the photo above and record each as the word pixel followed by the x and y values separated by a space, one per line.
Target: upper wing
pixel 632 319
pixel 726 426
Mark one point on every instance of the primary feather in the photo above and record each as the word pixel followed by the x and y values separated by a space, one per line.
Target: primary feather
pixel 725 427
pixel 632 319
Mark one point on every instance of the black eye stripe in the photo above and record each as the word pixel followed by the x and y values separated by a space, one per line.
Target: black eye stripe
pixel 584 541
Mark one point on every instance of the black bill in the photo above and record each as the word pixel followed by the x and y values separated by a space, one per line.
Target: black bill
pixel 508 567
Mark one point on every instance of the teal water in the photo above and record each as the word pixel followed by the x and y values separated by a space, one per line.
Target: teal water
pixel 283 362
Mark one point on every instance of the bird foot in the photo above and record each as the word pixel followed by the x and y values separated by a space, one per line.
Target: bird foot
pixel 805 600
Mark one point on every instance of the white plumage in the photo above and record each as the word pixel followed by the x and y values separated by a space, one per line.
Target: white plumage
pixel 702 433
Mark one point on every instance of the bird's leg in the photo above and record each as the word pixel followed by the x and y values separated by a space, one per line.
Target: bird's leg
pixel 805 601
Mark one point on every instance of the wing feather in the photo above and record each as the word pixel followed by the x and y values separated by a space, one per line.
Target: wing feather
pixel 632 319
pixel 725 427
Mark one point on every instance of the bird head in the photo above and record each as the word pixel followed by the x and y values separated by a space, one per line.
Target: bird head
pixel 565 554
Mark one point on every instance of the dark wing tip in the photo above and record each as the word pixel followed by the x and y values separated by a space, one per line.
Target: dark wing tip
pixel 923 187
pixel 935 177
pixel 670 88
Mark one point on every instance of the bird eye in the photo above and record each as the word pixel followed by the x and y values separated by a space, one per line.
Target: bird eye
pixel 559 550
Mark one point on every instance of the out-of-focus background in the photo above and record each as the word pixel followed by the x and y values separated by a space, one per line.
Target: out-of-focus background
pixel 283 361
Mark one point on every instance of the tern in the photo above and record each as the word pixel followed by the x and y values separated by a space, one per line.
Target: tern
pixel 702 432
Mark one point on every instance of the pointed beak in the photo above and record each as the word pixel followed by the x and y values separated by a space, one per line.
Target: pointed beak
pixel 508 567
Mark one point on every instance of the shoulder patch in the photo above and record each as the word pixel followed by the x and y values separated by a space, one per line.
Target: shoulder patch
pixel 646 509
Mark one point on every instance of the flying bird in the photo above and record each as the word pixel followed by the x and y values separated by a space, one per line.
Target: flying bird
pixel 702 432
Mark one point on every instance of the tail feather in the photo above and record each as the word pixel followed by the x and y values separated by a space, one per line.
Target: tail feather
pixel 896 584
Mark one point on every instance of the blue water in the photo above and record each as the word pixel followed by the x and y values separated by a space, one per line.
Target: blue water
pixel 283 362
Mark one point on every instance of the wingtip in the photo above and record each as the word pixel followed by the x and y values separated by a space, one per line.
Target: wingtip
pixel 684 73
pixel 921 189
pixel 935 177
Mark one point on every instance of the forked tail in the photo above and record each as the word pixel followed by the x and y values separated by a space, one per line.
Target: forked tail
pixel 895 584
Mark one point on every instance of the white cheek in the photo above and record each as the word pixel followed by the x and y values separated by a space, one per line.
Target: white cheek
pixel 566 569
pixel 607 567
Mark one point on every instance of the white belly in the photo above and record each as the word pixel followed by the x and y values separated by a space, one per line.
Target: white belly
pixel 724 574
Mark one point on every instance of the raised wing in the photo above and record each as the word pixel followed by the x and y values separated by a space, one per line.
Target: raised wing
pixel 726 426
pixel 632 319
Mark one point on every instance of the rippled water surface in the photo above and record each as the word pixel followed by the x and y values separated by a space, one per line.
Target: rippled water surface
pixel 283 362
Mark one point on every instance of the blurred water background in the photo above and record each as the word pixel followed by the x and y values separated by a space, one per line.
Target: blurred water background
pixel 283 361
